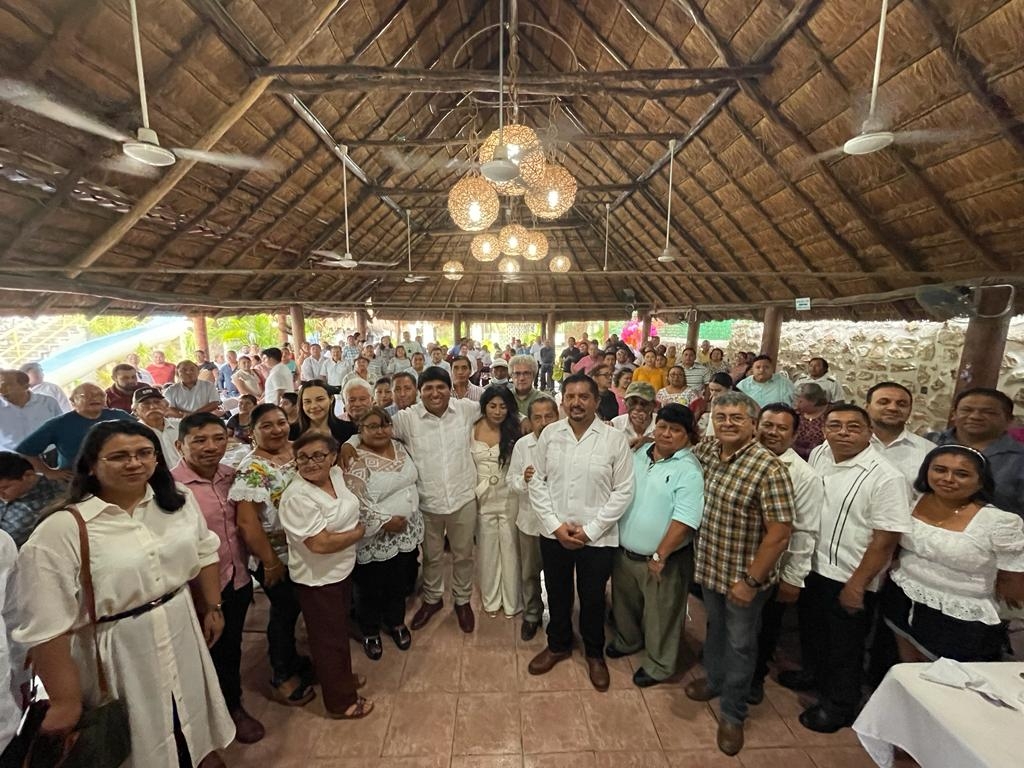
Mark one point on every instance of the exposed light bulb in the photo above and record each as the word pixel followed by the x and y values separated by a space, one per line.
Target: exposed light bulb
pixel 513 152
pixel 474 211
pixel 485 247
pixel 513 242
pixel 552 198
pixel 531 249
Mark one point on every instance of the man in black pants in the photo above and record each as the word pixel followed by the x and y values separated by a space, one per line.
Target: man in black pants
pixel 582 485
pixel 202 441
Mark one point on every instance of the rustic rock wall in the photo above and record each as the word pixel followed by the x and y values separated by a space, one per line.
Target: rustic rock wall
pixel 922 356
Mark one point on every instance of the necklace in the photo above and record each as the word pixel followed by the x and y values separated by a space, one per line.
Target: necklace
pixel 956 514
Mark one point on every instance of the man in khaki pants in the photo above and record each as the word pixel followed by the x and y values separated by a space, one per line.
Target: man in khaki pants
pixel 437 431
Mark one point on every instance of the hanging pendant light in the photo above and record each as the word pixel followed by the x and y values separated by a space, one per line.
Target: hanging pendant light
pixel 669 254
pixel 554 195
pixel 500 167
pixel 485 247
pixel 508 266
pixel 513 239
pixel 560 263
pixel 536 247
pixel 453 270
pixel 473 204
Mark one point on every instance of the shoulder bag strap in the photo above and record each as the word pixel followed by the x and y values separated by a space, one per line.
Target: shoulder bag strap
pixel 90 596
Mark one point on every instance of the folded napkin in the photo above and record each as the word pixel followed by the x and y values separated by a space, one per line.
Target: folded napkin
pixel 956 675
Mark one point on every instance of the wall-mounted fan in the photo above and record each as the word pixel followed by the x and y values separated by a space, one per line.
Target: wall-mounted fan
pixel 944 302
pixel 143 148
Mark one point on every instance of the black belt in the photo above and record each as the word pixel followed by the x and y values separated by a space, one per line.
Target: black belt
pixel 644 558
pixel 145 608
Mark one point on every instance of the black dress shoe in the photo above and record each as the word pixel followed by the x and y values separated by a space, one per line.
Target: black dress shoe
pixel 614 653
pixel 373 647
pixel 643 680
pixel 797 680
pixel 529 630
pixel 401 637
pixel 819 719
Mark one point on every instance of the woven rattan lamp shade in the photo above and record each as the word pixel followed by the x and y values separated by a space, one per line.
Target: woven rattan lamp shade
pixel 536 247
pixel 554 195
pixel 524 150
pixel 560 263
pixel 485 247
pixel 508 266
pixel 453 270
pixel 513 239
pixel 473 204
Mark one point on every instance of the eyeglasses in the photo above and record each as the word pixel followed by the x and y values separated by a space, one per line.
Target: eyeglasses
pixel 124 457
pixel 312 458
pixel 375 427
pixel 839 427
pixel 522 373
pixel 731 418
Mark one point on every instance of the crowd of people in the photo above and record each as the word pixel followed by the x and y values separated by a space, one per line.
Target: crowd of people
pixel 342 480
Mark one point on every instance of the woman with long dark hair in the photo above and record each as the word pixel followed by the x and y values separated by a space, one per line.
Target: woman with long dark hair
pixel 494 437
pixel 147 541
pixel 240 424
pixel 961 557
pixel 316 412
pixel 259 484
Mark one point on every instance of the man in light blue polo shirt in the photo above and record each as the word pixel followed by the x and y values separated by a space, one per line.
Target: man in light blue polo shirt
pixel 765 386
pixel 653 567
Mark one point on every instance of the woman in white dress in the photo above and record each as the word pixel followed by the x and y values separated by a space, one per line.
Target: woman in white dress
pixel 494 437
pixel 148 541
pixel 960 559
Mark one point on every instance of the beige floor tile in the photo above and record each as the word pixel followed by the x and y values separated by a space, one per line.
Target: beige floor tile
pixel 839 757
pixel 775 758
pixel 647 759
pixel 422 724
pixel 383 675
pixel 618 720
pixel 431 670
pixel 488 724
pixel 553 722
pixel 488 668
pixel 701 758
pixel 560 760
pixel 497 631
pixel 804 737
pixel 356 738
pixel 620 671
pixel 765 728
pixel 487 761
pixel 681 724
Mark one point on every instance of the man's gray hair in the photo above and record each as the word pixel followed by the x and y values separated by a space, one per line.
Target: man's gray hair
pixel 813 392
pixel 528 360
pixel 356 383
pixel 737 398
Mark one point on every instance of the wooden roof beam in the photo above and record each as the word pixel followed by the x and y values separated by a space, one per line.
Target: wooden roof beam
pixel 583 138
pixel 207 141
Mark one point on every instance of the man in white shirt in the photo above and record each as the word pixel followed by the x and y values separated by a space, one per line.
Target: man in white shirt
pixel 336 368
pixel 889 405
pixel 40 386
pixel 866 509
pixel 149 405
pixel 437 359
pixel 189 394
pixel 462 387
pixel 315 366
pixel 583 484
pixel 776 428
pixel 637 423
pixel 279 376
pixel 22 411
pixel 411 345
pixel 818 373
pixel 542 411
pixel 437 431
pixel 697 374
pixel 145 377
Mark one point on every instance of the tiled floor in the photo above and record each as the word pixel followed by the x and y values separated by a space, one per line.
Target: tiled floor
pixel 466 701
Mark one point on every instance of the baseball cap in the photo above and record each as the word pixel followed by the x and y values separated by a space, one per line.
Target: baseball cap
pixel 146 393
pixel 499 364
pixel 640 389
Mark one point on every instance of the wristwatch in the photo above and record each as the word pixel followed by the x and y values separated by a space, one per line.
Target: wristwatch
pixel 750 581
pixel 656 557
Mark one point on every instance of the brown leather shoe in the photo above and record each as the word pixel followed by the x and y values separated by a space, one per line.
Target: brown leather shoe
pixel 598 673
pixel 464 613
pixel 545 661
pixel 422 616
pixel 248 730
pixel 699 690
pixel 730 737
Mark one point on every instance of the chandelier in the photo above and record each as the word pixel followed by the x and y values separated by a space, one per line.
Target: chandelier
pixel 485 247
pixel 536 247
pixel 453 270
pixel 513 239
pixel 553 195
pixel 473 204
pixel 560 263
pixel 508 266
pixel 523 148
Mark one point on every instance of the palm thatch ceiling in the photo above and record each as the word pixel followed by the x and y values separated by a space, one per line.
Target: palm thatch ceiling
pixel 757 221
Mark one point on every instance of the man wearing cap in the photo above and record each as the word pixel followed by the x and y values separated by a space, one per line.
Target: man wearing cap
pixel 40 386
pixel 149 405
pixel 638 420
pixel 126 381
pixel 22 411
pixel 499 373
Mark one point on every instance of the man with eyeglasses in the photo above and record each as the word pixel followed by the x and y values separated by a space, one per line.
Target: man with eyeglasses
pixel 524 371
pixel 638 420
pixel 981 418
pixel 866 508
pixel 149 405
pixel 748 518
pixel 607 404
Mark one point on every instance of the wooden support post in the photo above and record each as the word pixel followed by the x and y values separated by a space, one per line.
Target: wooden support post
pixel 985 341
pixel 456 328
pixel 549 328
pixel 645 334
pixel 772 332
pixel 693 330
pixel 282 329
pixel 362 322
pixel 202 340
pixel 607 332
pixel 298 327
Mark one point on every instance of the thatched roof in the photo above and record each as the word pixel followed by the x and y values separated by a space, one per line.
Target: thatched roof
pixel 755 222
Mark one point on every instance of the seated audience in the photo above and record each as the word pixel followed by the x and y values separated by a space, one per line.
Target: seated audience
pixel 24 495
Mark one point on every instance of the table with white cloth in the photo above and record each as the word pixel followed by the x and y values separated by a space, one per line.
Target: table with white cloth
pixel 944 727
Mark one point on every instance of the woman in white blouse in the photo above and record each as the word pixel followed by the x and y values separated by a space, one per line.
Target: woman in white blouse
pixel 962 556
pixel 383 478
pixel 148 541
pixel 321 518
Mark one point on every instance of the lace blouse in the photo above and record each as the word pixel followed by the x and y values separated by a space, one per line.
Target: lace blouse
pixel 262 482
pixel 955 571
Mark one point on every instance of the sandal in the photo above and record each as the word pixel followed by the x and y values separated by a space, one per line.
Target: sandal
pixel 298 696
pixel 359 710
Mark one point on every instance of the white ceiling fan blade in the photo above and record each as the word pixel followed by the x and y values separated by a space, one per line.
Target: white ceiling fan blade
pixel 31 99
pixel 379 263
pixel 828 154
pixel 124 164
pixel 933 136
pixel 226 160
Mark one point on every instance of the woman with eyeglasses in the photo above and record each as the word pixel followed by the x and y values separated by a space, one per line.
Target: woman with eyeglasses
pixel 321 518
pixel 148 542
pixel 961 557
pixel 383 477
pixel 494 436
pixel 259 484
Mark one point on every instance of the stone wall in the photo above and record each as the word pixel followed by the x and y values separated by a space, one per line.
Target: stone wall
pixel 922 356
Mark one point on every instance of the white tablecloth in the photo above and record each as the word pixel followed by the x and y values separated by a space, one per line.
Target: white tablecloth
pixel 944 727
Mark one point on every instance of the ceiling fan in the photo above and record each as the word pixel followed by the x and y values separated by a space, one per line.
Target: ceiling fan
pixel 144 147
pixel 669 253
pixel 345 260
pixel 410 278
pixel 876 131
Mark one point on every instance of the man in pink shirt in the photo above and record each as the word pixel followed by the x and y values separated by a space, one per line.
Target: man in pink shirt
pixel 202 441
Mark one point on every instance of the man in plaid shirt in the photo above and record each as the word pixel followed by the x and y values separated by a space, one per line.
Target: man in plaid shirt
pixel 748 513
